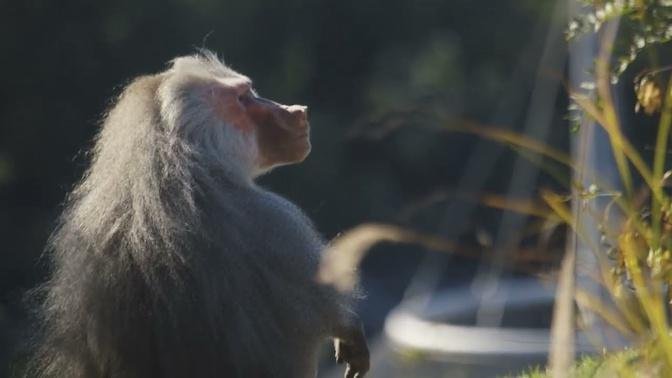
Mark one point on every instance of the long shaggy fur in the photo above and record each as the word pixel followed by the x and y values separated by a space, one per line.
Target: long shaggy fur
pixel 169 262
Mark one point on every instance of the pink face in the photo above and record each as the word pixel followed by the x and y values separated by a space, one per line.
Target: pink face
pixel 282 131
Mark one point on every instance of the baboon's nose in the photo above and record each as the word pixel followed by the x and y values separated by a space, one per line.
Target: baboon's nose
pixel 299 113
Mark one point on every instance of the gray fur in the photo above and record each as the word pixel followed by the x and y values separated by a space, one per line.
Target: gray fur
pixel 169 261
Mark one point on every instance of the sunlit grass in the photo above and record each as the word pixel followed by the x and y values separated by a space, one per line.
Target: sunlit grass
pixel 616 365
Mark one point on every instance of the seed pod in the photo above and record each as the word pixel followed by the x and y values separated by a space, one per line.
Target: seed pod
pixel 649 95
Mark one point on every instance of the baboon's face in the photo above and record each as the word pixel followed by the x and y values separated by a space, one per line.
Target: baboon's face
pixel 282 130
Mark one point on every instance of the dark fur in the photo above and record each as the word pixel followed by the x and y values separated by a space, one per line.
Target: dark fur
pixel 169 262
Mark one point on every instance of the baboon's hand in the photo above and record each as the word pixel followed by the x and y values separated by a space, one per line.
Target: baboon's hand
pixel 355 353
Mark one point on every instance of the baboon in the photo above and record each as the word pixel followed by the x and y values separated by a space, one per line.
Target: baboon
pixel 169 261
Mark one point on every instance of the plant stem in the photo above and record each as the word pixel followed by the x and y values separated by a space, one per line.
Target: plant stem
pixel 659 164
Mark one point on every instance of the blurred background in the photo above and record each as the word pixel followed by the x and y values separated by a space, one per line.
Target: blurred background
pixel 383 79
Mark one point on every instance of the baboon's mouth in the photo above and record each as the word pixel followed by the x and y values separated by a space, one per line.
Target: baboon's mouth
pixel 304 133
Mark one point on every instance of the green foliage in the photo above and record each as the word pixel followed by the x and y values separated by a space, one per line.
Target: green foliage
pixel 608 365
pixel 635 250
pixel 643 23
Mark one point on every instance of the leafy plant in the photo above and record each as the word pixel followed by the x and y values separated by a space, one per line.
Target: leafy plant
pixel 643 23
pixel 635 249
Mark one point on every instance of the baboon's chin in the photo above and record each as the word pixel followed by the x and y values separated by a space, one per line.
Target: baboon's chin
pixel 292 153
pixel 305 150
